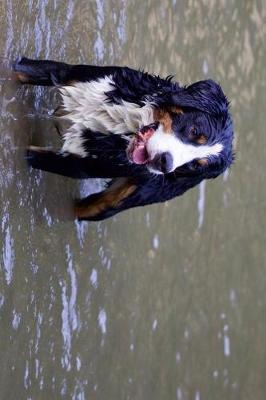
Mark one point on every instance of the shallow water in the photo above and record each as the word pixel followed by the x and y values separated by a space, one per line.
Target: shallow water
pixel 162 302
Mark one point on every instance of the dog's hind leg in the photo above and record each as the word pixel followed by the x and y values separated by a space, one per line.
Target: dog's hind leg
pixel 49 73
pixel 102 205
pixel 37 72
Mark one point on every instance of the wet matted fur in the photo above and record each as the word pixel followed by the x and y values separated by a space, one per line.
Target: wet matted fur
pixel 154 138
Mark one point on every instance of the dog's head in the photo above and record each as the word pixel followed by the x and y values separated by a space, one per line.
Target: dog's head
pixel 192 134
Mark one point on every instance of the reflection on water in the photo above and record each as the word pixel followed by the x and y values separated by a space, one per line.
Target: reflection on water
pixel 163 302
pixel 201 203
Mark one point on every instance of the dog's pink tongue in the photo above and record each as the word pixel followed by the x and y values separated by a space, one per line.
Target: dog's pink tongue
pixel 140 155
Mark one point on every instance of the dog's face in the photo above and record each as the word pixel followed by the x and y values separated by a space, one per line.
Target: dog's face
pixel 194 136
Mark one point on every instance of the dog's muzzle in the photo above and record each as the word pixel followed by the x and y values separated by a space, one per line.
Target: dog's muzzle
pixel 162 162
pixel 137 149
pixel 138 153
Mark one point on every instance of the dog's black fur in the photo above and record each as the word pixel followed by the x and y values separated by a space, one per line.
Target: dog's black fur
pixel 107 153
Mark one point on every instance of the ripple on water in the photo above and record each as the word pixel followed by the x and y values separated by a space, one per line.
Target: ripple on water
pixel 102 319
pixel 8 253
pixel 69 313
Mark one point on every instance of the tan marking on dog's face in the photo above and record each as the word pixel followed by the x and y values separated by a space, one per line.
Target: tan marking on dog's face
pixel 203 162
pixel 176 110
pixel 163 116
pixel 201 139
pixel 110 198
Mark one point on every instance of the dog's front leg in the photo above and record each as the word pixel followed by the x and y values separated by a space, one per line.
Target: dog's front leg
pixel 95 165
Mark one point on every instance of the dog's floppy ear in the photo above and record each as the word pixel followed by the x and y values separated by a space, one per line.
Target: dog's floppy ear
pixel 206 96
pixel 203 169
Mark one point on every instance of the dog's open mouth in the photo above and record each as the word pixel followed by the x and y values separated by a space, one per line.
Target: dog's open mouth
pixel 137 150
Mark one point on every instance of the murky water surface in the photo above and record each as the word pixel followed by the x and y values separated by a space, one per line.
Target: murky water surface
pixel 164 302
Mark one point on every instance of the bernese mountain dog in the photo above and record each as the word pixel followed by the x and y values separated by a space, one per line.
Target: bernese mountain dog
pixel 154 138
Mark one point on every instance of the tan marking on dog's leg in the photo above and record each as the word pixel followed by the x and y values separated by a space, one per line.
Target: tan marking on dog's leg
pixel 110 198
pixel 21 77
pixel 38 149
pixel 69 83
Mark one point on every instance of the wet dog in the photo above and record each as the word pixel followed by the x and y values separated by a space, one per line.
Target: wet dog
pixel 153 137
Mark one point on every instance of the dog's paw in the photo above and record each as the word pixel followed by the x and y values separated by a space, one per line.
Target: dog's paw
pixel 29 156
pixel 32 155
pixel 19 68
pixel 77 209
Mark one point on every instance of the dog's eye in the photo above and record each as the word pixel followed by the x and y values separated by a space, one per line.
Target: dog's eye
pixel 193 132
pixel 196 136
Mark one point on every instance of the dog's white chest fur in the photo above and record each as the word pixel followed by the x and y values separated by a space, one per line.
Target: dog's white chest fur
pixel 86 106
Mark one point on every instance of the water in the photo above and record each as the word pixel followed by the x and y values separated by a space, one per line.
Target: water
pixel 162 302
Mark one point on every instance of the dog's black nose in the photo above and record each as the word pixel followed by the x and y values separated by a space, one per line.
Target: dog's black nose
pixel 163 162
pixel 166 162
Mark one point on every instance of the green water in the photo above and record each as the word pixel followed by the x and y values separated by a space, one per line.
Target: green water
pixel 159 303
